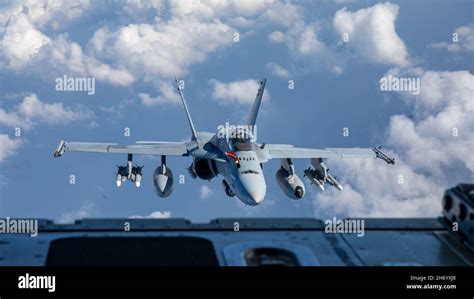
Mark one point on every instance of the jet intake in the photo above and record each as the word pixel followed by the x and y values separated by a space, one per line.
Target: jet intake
pixel 205 169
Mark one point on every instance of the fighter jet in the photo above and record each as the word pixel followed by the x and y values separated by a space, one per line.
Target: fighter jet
pixel 232 153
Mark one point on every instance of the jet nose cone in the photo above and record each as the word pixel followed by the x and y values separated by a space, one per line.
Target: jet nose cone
pixel 257 197
pixel 254 189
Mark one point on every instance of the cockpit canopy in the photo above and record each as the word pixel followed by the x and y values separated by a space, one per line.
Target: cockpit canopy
pixel 241 140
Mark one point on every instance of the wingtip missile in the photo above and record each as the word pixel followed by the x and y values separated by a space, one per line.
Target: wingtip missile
pixel 60 149
pixel 381 155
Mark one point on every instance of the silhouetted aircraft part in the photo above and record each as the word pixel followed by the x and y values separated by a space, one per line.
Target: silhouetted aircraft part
pixel 260 242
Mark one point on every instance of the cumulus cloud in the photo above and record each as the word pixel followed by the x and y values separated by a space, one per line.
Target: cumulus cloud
pixel 21 43
pixel 33 109
pixel 282 13
pixel 277 37
pixel 336 69
pixel 84 211
pixel 138 9
pixel 303 42
pixel 165 49
pixel 372 33
pixel 194 30
pixel 207 10
pixel 154 215
pixel 433 150
pixel 442 131
pixel 238 11
pixel 205 192
pixel 106 73
pixel 42 13
pixel 374 189
pixel 303 39
pixel 463 40
pixel 8 146
pixel 183 33
pixel 13 119
pixel 24 46
pixel 31 112
pixel 240 92
pixel 278 70
pixel 167 95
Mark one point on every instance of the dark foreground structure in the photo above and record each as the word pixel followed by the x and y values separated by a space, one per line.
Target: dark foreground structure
pixel 446 241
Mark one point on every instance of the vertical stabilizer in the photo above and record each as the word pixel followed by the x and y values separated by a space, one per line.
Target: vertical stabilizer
pixel 191 124
pixel 256 105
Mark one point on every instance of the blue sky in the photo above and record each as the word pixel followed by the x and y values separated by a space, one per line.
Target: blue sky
pixel 134 49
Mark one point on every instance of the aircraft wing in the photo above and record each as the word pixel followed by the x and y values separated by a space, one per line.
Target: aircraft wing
pixel 274 151
pixel 155 148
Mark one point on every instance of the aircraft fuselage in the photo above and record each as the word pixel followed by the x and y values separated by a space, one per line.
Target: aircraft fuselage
pixel 242 170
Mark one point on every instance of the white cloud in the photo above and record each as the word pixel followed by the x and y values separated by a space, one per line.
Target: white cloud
pixel 168 95
pixel 429 157
pixel 193 31
pixel 12 119
pixel 31 112
pixel 278 70
pixel 46 12
pixel 282 13
pixel 304 42
pixel 205 192
pixel 33 109
pixel 371 189
pixel 154 215
pixel 165 49
pixel 138 9
pixel 277 37
pixel 443 106
pixel 24 46
pixel 182 34
pixel 372 33
pixel 303 39
pixel 240 92
pixel 21 43
pixel 465 40
pixel 218 9
pixel 84 211
pixel 337 70
pixel 8 146
pixel 106 73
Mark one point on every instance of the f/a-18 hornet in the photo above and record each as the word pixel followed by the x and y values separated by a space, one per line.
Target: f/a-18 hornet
pixel 231 152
